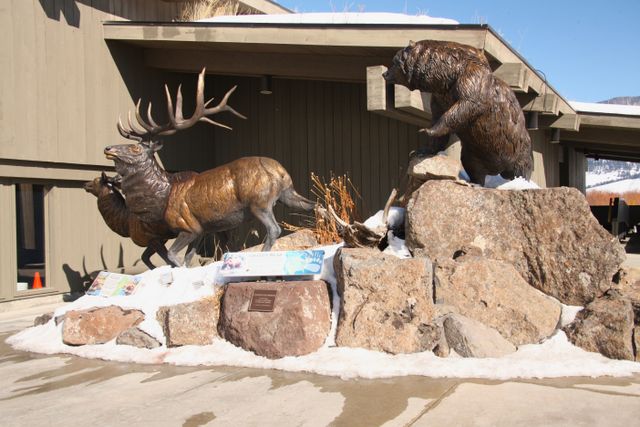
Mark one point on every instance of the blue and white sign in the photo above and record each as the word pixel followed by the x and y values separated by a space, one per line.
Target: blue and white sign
pixel 283 263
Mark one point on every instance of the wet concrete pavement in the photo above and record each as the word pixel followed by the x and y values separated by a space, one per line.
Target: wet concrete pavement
pixel 61 390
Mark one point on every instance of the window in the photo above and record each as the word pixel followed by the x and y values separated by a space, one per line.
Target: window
pixel 30 236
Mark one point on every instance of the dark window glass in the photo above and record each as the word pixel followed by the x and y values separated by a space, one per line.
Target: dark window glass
pixel 30 235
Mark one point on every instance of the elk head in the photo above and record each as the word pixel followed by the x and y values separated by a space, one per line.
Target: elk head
pixel 147 137
pixel 101 183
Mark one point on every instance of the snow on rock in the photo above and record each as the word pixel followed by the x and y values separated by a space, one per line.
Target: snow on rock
pixel 395 219
pixel 519 183
pixel 496 181
pixel 396 246
pixel 569 313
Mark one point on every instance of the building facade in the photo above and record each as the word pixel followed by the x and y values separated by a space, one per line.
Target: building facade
pixel 72 68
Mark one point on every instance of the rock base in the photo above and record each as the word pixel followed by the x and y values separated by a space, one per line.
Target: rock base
pixel 192 323
pixel 386 302
pixel 296 323
pixel 98 325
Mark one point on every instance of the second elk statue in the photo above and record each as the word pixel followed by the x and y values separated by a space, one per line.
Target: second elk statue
pixel 215 200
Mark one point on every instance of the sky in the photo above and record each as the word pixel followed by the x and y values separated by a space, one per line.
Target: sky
pixel 588 50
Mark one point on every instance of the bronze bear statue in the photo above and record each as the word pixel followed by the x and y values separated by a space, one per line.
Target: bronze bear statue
pixel 468 100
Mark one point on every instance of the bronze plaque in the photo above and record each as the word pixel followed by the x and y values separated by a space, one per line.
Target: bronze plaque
pixel 263 300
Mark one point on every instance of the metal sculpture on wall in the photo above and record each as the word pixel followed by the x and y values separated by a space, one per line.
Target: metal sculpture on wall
pixel 216 200
pixel 468 100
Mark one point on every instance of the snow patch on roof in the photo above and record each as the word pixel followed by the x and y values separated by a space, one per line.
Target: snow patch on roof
pixel 592 107
pixel 350 18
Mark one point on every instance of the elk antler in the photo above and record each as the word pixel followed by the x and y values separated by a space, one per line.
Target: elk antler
pixel 176 120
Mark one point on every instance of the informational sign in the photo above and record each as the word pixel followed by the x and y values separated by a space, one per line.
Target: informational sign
pixel 263 300
pixel 113 284
pixel 264 264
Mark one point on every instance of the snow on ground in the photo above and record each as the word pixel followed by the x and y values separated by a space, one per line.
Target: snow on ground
pixel 555 357
pixel 595 179
pixel 619 187
pixel 339 18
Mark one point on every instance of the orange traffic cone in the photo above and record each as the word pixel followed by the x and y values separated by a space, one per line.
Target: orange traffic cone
pixel 37 282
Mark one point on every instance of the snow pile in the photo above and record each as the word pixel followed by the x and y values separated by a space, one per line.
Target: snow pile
pixel 555 357
pixel 498 182
pixel 340 18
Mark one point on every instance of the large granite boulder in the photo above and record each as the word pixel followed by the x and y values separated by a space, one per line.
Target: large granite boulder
pixel 191 323
pixel 98 325
pixel 493 293
pixel 386 302
pixel 627 282
pixel 470 338
pixel 276 319
pixel 605 326
pixel 549 235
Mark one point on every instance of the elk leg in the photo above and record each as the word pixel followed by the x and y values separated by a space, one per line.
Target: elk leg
pixel 146 257
pixel 266 217
pixel 192 249
pixel 183 239
pixel 161 250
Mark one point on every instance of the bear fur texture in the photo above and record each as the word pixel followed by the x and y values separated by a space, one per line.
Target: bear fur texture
pixel 468 100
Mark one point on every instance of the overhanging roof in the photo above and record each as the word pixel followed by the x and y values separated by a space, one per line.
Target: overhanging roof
pixel 607 130
pixel 339 52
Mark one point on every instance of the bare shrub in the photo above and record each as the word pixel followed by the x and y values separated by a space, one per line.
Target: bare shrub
pixel 340 194
pixel 601 198
pixel 201 9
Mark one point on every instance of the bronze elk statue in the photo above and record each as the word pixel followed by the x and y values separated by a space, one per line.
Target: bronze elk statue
pixel 112 206
pixel 215 200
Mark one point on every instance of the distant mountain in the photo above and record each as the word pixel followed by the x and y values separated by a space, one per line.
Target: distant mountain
pixel 600 172
pixel 623 100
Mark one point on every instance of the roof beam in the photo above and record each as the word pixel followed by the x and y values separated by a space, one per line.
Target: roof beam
pixel 297 35
pixel 285 65
pixel 606 137
pixel 498 50
pixel 604 120
pixel 515 75
pixel 381 101
pixel 564 121
pixel 548 103
pixel 413 102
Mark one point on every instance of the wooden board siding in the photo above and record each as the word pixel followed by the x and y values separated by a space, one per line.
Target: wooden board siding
pixel 83 243
pixel 8 256
pixel 546 157
pixel 308 126
pixel 61 91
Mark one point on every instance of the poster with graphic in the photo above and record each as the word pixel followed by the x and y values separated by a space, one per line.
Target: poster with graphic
pixel 109 284
pixel 277 263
